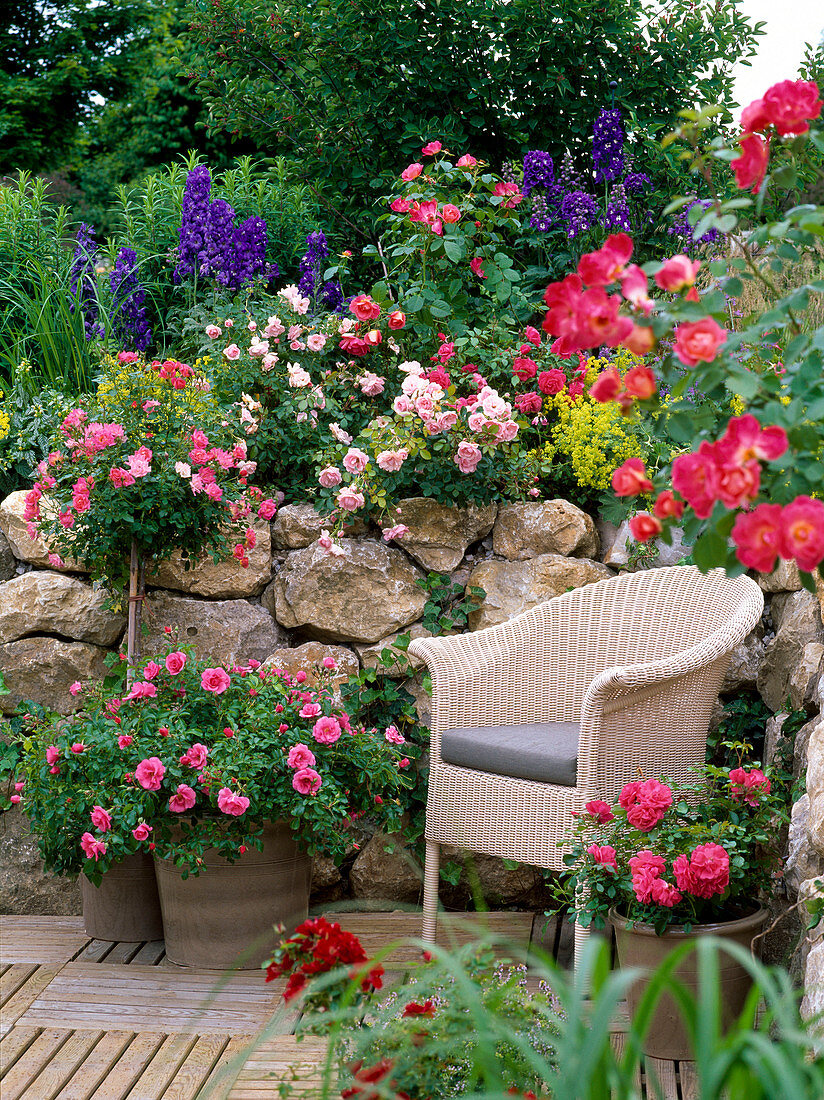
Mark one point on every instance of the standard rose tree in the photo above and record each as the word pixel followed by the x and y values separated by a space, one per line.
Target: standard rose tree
pixel 748 489
pixel 195 757
pixel 147 467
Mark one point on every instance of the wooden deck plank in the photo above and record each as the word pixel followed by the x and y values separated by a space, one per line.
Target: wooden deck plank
pixel 219 1081
pixel 12 922
pixel 619 1044
pixel 154 999
pixel 23 1074
pixel 280 1058
pixel 150 953
pixel 377 930
pixel 163 1067
pixel 26 939
pixel 62 1066
pixel 19 1003
pixel 96 951
pixel 196 1068
pixel 123 953
pixel 661 1079
pixel 16 975
pixel 96 1067
pixel 123 1074
pixel 13 1045
pixel 690 1086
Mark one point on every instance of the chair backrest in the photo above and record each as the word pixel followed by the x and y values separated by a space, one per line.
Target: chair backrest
pixel 639 617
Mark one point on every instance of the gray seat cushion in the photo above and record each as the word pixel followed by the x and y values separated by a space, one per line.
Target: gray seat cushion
pixel 546 752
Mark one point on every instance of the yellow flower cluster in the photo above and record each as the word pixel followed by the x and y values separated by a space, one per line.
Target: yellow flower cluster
pixel 5 422
pixel 593 438
pixel 126 382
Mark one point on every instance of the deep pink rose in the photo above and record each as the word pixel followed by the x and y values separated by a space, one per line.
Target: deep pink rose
pixel 52 754
pixel 175 663
pixel 101 819
pixel 230 803
pixel 141 832
pixel 300 756
pixel 664 893
pixel 602 853
pixel 326 731
pixel 183 799
pixel 92 848
pixel 195 757
pixel 149 773
pixel 709 871
pixel 600 810
pixel 750 166
pixel 677 273
pixel 151 670
pixel 306 781
pixel 790 104
pixel 215 680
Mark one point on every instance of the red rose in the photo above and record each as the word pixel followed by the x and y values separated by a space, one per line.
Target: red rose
pixel 751 166
pixel 790 104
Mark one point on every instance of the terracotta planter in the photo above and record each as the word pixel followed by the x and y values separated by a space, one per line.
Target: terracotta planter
pixel 640 947
pixel 223 918
pixel 125 906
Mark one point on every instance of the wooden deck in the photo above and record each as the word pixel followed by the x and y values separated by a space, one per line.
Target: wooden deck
pixel 83 1019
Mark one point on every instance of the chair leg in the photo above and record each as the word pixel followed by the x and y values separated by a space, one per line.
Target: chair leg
pixel 431 878
pixel 581 938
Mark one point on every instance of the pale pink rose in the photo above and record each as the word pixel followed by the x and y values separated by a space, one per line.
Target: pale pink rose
pixel 92 848
pixel 326 731
pixel 183 799
pixel 494 406
pixel 394 736
pixel 142 831
pixel 355 461
pixel 508 431
pixel 467 457
pixel 52 754
pixel 466 161
pixel 477 421
pixel 149 773
pixel 101 819
pixel 212 331
pixel 215 680
pixel 228 323
pixel 273 328
pixel 391 461
pixel 371 384
pixel 232 351
pixel 446 420
pixel 195 756
pixel 317 341
pixel 424 405
pixel 183 469
pixel 306 781
pixel 175 662
pixel 310 710
pixel 298 377
pixel 329 477
pixel 339 434
pixel 325 540
pixel 300 756
pixel 402 405
pixel 396 532
pixel 258 348
pixel 151 670
pixel 230 803
pixel 349 499
pixel 268 362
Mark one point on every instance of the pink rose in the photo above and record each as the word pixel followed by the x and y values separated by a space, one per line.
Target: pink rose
pixel 195 756
pixel 230 803
pixel 706 873
pixel 355 461
pixel 412 172
pixel 750 166
pixel 149 773
pixel 306 781
pixel 151 670
pixel 802 532
pixel 467 457
pixel 175 662
pixel 300 756
pixel 317 341
pixel 101 819
pixel 52 754
pixel 365 308
pixel 124 740
pixel 329 477
pixel 92 848
pixel 77 747
pixel 391 461
pixel 603 854
pixel 698 341
pixel 212 331
pixel 789 105
pixel 310 710
pixel 267 509
pixel 394 736
pixel 551 381
pixel 349 499
pixel 476 266
pixel 664 893
pixel 326 731
pixel 76 688
pixel 142 831
pixel 216 680
pixel 677 273
pixel 142 689
pixel 466 161
pixel 183 799
pixel 431 148
pixel 600 810
pixel 756 535
pixel 400 205
pixel 748 785
pixel 232 352
pixel 450 213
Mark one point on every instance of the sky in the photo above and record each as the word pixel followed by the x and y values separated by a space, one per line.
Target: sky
pixel 790 23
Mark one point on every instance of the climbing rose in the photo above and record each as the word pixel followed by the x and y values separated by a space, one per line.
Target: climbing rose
pixel 101 819
pixel 757 536
pixel 326 731
pixel 230 803
pixel 149 773
pixel 92 847
pixel 216 680
pixel 789 106
pixel 300 756
pixel 174 663
pixel 183 799
pixel 306 781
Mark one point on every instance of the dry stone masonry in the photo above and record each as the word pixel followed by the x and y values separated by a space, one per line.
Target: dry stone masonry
pixel 295 605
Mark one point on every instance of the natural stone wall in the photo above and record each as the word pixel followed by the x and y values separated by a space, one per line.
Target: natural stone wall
pixel 296 604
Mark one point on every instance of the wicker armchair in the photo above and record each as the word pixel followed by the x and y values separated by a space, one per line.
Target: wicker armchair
pixel 567 702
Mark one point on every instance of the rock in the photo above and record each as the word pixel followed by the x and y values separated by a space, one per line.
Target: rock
pixel 8 562
pixel 803 686
pixel 666 555
pixel 524 531
pixel 43 669
pixel 499 885
pixel 25 888
pixel 370 654
pixel 389 876
pixel 308 658
pixel 423 699
pixel 819 591
pixel 228 632
pixel 13 526
pixel 803 862
pixel 812 890
pixel 745 661
pixel 773 736
pixel 801 747
pixel 787 668
pixel 812 1006
pixel 815 785
pixel 226 580
pixel 45 602
pixel 607 533
pixel 439 535
pixel 361 596
pixel 784 578
pixel 327 881
pixel 296 526
pixel 515 586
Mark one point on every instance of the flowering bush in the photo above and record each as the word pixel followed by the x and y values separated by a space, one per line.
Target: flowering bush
pixel 677 855
pixel 194 757
pixel 150 464
pixel 319 946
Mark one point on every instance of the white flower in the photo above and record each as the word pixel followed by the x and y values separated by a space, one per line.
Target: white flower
pixel 183 468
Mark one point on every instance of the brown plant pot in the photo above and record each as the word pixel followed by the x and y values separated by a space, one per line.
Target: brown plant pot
pixel 640 947
pixel 224 917
pixel 125 906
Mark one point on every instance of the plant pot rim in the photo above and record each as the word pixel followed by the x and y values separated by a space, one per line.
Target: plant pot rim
pixel 754 919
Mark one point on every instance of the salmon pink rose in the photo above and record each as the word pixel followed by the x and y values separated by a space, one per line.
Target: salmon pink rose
pixel 183 799
pixel 412 172
pixel 677 273
pixel 149 773
pixel 365 308
pixel 644 527
pixel 300 756
pixel 640 340
pixel 397 319
pixel 666 505
pixel 630 478
pixel 751 166
pixel 695 477
pixel 607 264
pixel 306 781
pixel 431 148
pixel 175 663
pixel 101 819
pixel 216 680
pixel 606 386
pixel 698 341
pixel 450 213
pixel 267 509
pixel 640 381
pixel 466 161
pixel 757 536
pixel 802 532
pixel 230 803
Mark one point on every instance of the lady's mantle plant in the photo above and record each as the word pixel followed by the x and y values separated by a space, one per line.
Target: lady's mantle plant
pixel 677 855
pixel 748 493
pixel 196 757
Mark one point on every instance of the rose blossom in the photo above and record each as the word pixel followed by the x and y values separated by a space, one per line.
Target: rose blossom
pixel 183 799
pixel 142 831
pixel 397 319
pixel 412 172
pixel 326 731
pixel 300 756
pixel 600 810
pixel 149 773
pixel 101 819
pixel 603 854
pixel 391 461
pixel 698 341
pixel 365 308
pixel 215 680
pixel 151 670
pixel 467 457
pixel 394 736
pixel 92 848
pixel 677 273
pixel 349 499
pixel 644 527
pixel 329 477
pixel 306 781
pixel 175 662
pixel 195 756
pixel 751 166
pixel 355 461
pixel 630 478
pixel 212 331
pixel 52 754
pixel 232 351
pixel 230 803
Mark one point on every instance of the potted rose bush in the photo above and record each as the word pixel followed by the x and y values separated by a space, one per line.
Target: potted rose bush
pixel 230 778
pixel 668 863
